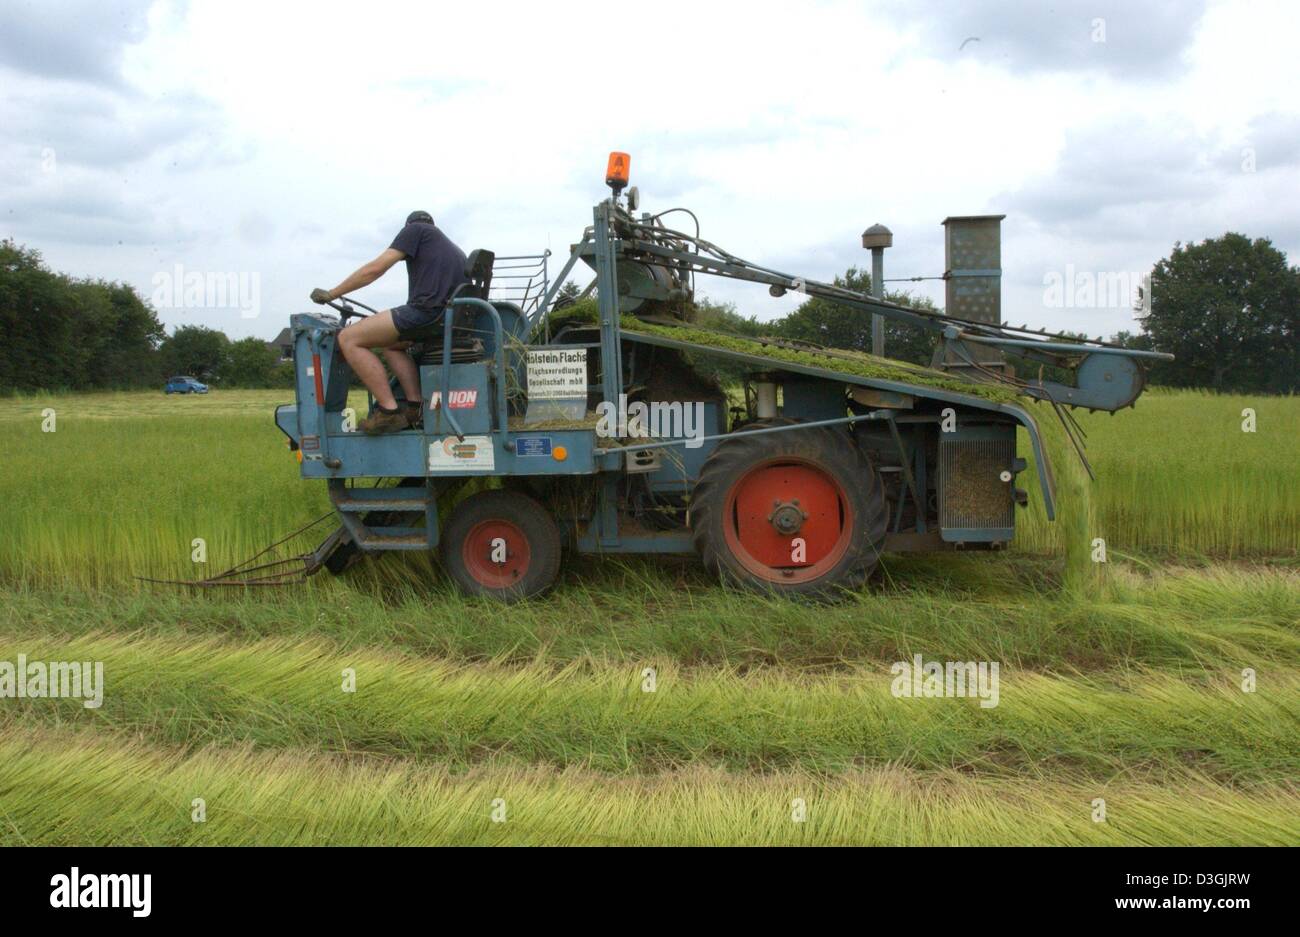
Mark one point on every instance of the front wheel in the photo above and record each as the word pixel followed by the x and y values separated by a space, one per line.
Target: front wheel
pixel 502 545
pixel 800 512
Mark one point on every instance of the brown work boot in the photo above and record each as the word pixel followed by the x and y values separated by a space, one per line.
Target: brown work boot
pixel 384 421
pixel 414 413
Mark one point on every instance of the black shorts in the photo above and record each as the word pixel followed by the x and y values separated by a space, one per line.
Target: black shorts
pixel 408 319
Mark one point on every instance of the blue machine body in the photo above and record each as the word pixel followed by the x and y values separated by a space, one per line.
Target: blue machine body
pixel 945 487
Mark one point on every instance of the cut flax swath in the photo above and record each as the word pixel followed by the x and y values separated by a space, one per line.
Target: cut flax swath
pixel 56 784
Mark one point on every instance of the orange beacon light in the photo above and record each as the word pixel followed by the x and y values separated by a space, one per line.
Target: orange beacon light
pixel 617 170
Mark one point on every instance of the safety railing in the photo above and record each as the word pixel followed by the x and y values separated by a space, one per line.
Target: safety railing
pixel 521 280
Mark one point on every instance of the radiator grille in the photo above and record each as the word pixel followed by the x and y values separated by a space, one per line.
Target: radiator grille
pixel 972 494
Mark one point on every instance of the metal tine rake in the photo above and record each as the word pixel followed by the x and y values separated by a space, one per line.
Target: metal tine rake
pixel 287 570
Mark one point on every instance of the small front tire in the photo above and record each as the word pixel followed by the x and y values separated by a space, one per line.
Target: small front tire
pixel 502 545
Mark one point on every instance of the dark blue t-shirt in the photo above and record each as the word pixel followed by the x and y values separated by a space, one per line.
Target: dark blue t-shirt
pixel 434 265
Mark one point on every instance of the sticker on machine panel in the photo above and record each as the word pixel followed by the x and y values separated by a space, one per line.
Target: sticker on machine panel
pixel 533 445
pixel 457 455
pixel 557 375
pixel 456 399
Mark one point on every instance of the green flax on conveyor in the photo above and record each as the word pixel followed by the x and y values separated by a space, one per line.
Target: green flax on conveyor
pixel 844 360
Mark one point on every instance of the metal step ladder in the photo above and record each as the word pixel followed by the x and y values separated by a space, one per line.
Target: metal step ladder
pixel 377 519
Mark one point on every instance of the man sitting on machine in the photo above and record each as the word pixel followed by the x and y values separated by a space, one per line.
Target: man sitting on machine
pixel 434 268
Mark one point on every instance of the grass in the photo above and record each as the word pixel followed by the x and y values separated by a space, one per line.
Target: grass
pixel 1178 476
pixel 1130 690
pixel 76 788
pixel 280 694
pixel 128 481
pixel 979 607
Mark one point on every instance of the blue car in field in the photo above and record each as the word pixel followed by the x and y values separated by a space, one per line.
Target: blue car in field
pixel 185 385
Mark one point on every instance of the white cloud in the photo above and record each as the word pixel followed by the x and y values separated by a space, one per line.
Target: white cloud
pixel 292 140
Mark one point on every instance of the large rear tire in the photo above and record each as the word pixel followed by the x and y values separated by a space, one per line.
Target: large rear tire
pixel 502 545
pixel 798 512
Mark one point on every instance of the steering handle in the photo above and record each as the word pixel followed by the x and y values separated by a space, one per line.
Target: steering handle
pixel 345 310
pixel 344 304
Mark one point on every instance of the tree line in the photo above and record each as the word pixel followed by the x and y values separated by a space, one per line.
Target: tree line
pixel 1228 309
pixel 62 333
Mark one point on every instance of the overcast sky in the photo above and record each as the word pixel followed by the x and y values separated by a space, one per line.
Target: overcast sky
pixel 286 143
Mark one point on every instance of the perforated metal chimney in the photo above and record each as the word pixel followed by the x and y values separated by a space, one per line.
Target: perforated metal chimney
pixel 973 267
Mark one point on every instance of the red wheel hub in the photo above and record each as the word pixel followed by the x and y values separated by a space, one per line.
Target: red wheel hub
pixel 496 553
pixel 787 520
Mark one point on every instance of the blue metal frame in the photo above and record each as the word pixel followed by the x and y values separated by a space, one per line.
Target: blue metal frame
pixel 503 413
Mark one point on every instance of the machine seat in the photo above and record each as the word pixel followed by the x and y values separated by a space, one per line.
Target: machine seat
pixel 465 343
pixel 465 347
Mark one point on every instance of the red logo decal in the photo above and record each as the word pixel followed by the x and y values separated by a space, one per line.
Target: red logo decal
pixel 459 399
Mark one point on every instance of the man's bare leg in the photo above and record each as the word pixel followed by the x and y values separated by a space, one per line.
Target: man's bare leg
pixel 408 373
pixel 356 340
